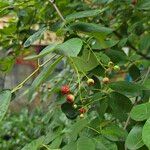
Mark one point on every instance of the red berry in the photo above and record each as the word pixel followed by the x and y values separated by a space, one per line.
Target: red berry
pixel 90 82
pixel 70 98
pixel 82 110
pixel 65 89
pixel 106 80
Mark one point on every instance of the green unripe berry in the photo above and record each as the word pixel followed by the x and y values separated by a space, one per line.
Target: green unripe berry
pixel 75 106
pixel 116 68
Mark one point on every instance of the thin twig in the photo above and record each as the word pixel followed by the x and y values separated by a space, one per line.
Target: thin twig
pixel 19 86
pixel 57 9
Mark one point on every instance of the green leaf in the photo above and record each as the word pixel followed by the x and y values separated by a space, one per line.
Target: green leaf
pixel 70 146
pixel 147 84
pixel 86 62
pixel 116 56
pixel 102 43
pixel 104 144
pixel 37 35
pixel 85 143
pixel 6 63
pixel 71 48
pixel 141 112
pixel 43 76
pixel 146 133
pixel 76 128
pixel 48 49
pixel 91 28
pixel 102 57
pixel 114 133
pixel 69 111
pixel 134 139
pixel 144 5
pixel 83 14
pixel 52 135
pixel 34 145
pixel 56 143
pixel 127 88
pixel 120 104
pixel 135 73
pixel 5 97
pixel 144 42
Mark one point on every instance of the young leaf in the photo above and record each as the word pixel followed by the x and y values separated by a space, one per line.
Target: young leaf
pixel 134 138
pixel 34 37
pixel 85 143
pixel 70 48
pixel 5 97
pixel 146 133
pixel 140 112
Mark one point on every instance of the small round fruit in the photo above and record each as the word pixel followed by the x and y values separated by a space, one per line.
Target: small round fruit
pixel 134 2
pixel 49 86
pixel 70 98
pixel 65 89
pixel 110 64
pixel 116 68
pixel 75 106
pixel 90 82
pixel 82 110
pixel 106 80
pixel 81 115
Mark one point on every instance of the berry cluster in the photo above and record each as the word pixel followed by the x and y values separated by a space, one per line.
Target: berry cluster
pixel 65 90
pixel 70 97
pixel 111 66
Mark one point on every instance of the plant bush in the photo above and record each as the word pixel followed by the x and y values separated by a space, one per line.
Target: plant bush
pixel 21 128
pixel 105 51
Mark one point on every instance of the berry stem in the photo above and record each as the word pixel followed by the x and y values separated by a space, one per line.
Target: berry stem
pixel 78 76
